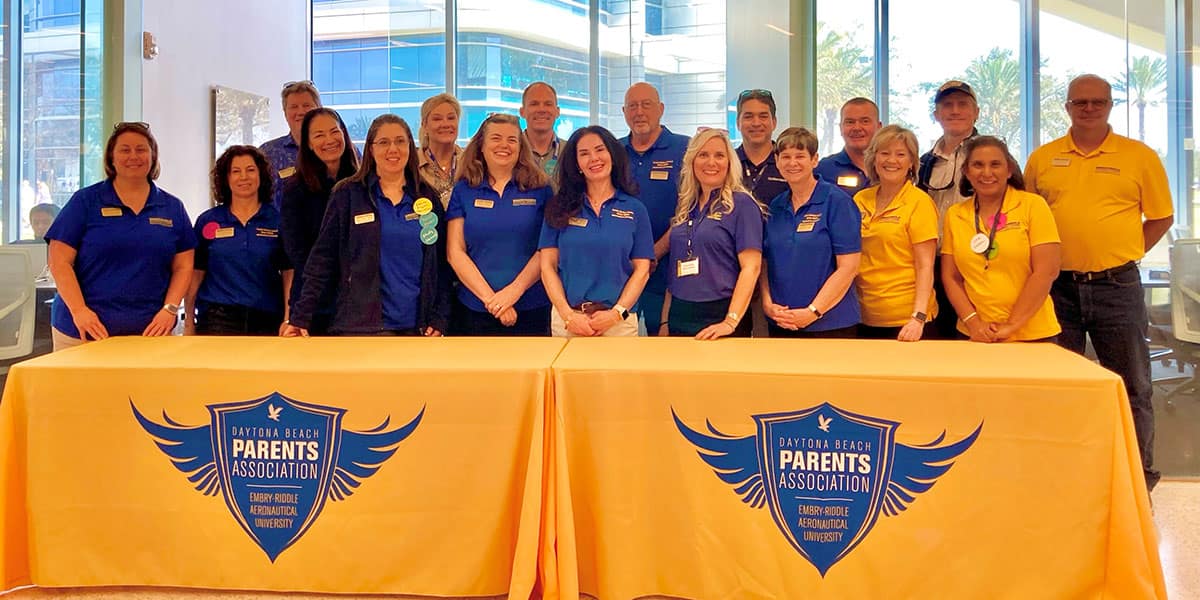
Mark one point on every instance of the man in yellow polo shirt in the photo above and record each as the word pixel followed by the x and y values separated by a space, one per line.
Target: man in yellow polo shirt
pixel 1111 201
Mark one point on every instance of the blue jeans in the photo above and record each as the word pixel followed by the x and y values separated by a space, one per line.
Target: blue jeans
pixel 1113 312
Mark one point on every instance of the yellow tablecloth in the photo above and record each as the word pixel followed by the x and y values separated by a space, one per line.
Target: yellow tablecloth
pixel 444 499
pixel 1035 490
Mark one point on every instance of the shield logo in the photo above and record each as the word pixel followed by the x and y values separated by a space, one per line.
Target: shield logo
pixel 274 460
pixel 826 472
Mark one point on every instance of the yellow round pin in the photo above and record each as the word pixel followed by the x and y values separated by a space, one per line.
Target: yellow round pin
pixel 422 206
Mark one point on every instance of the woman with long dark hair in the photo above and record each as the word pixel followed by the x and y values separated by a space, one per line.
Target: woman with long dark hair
pixel 495 214
pixel 241 278
pixel 326 157
pixel 596 244
pixel 382 246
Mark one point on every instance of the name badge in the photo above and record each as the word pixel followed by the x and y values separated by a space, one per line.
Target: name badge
pixel 779 179
pixel 659 175
pixel 1109 170
pixel 577 222
pixel 687 267
pixel 268 233
pixel 161 221
pixel 223 232
pixel 621 214
pixel 1060 162
pixel 847 181
pixel 368 217
pixel 481 203
pixel 805 227
pixel 110 211
pixel 288 172
pixel 412 216
pixel 524 202
pixel 716 216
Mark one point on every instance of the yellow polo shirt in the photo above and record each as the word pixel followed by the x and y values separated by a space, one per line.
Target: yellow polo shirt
pixel 994 291
pixel 887 273
pixel 1099 199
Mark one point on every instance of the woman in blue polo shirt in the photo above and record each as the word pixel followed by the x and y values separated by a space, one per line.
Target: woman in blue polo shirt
pixel 120 250
pixel 382 245
pixel 326 157
pixel 716 244
pixel 596 245
pixel 242 278
pixel 811 248
pixel 495 215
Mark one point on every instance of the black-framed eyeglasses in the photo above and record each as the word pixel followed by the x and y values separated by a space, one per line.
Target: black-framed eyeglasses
pixel 1083 103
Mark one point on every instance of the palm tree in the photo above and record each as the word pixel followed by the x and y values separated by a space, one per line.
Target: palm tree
pixel 1146 82
pixel 996 78
pixel 843 72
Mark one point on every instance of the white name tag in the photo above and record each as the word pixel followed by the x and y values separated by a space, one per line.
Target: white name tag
pixel 688 267
pixel 364 218
pixel 847 181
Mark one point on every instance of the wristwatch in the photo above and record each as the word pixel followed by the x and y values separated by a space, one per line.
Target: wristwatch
pixel 171 308
pixel 732 316
pixel 815 311
pixel 621 310
pixel 920 317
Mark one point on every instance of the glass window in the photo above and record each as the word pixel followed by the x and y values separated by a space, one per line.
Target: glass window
pixel 845 63
pixel 985 57
pixel 378 56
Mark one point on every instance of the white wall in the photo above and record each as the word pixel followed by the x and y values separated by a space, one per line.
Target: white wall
pixel 250 45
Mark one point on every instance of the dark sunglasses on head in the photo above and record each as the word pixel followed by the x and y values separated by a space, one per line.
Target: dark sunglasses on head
pixel 131 125
pixel 294 84
pixel 751 94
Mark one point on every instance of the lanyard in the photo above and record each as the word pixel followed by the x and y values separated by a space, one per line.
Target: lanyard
pixel 991 234
pixel 693 225
pixel 755 177
pixel 438 166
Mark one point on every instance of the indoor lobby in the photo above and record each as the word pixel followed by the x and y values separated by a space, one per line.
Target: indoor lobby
pixel 207 74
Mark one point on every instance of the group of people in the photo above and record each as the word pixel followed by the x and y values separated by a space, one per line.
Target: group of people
pixel 524 233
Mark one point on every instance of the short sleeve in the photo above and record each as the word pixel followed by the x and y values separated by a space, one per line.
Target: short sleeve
pixel 643 237
pixel 923 224
pixel 845 223
pixel 71 223
pixel 1042 229
pixel 455 209
pixel 1156 189
pixel 748 223
pixel 549 236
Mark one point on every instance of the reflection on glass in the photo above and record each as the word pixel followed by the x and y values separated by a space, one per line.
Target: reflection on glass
pixel 845 63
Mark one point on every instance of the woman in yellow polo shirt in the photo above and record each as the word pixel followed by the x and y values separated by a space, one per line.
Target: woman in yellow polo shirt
pixel 899 241
pixel 1000 251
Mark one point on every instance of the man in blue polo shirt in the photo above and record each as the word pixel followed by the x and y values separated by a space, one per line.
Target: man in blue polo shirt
pixel 656 157
pixel 756 122
pixel 539 108
pixel 299 97
pixel 847 169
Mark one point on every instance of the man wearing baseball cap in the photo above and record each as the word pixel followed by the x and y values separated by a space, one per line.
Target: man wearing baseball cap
pixel 956 110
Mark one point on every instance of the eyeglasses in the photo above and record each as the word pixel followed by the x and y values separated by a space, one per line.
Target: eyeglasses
pixel 295 84
pixel 703 128
pixel 752 94
pixel 644 105
pixel 1092 102
pixel 131 125
pixel 386 143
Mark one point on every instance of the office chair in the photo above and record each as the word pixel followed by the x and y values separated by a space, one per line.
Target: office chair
pixel 17 303
pixel 1184 333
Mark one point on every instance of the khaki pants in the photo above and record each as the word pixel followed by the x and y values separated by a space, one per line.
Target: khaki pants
pixel 626 328
pixel 63 341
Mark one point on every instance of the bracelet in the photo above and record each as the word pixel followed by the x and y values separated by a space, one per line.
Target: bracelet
pixel 969 317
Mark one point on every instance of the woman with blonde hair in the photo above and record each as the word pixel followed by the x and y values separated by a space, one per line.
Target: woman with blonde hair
pixel 493 222
pixel 716 244
pixel 899 239
pixel 439 153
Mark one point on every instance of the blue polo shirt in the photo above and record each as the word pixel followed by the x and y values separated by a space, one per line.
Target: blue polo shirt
pixel 123 261
pixel 241 263
pixel 764 181
pixel 400 257
pixel 281 154
pixel 838 170
pixel 801 249
pixel 716 238
pixel 595 251
pixel 656 172
pixel 501 231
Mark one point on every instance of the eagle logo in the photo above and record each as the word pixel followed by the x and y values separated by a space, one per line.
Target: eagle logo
pixel 825 473
pixel 275 461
